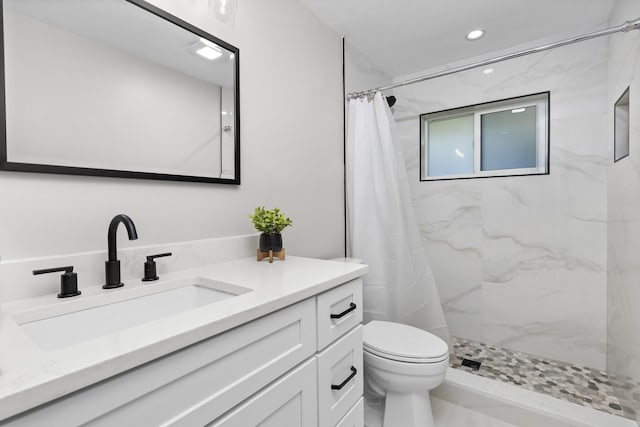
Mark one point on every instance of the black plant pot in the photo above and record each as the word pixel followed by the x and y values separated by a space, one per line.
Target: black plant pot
pixel 271 242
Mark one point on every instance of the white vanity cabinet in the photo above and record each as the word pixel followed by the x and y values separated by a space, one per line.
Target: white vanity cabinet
pixel 277 370
pixel 309 395
pixel 289 401
pixel 340 364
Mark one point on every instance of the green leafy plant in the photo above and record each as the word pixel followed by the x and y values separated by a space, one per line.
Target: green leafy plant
pixel 269 221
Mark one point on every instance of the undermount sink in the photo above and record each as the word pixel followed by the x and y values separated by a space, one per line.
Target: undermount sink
pixel 57 327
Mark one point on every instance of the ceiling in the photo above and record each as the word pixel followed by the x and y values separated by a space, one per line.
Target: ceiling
pixel 407 36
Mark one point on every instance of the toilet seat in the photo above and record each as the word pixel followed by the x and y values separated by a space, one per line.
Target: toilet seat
pixel 397 358
pixel 403 343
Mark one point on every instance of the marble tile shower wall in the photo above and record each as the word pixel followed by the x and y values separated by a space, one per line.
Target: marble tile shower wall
pixel 623 199
pixel 521 261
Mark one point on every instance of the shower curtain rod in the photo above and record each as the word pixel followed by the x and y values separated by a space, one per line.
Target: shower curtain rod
pixel 625 28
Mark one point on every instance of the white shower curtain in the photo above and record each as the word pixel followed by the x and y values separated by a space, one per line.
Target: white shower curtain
pixel 383 231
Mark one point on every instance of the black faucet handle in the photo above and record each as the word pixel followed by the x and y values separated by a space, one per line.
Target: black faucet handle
pixel 68 280
pixel 152 257
pixel 150 273
pixel 67 269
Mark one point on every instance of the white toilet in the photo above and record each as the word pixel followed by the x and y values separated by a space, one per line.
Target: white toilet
pixel 402 364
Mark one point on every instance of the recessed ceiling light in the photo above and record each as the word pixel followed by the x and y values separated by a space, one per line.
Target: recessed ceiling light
pixel 475 34
pixel 488 70
pixel 209 53
pixel 519 110
pixel 206 49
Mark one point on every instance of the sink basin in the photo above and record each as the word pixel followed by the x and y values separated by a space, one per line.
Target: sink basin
pixel 108 313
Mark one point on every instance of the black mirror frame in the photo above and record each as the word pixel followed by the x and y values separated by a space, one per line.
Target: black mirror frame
pixel 5 165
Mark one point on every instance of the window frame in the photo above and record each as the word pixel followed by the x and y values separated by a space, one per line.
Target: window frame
pixel 542 102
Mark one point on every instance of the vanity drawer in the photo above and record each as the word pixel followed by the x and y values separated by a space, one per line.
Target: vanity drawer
pixel 193 386
pixel 340 378
pixel 355 417
pixel 290 401
pixel 339 310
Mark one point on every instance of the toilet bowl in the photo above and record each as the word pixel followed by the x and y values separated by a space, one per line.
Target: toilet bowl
pixel 402 364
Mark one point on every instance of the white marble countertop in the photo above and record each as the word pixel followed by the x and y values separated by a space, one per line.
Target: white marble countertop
pixel 30 376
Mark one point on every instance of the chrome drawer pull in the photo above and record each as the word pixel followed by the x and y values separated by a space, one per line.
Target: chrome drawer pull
pixel 352 307
pixel 354 371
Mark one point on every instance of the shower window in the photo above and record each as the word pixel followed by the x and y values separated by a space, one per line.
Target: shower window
pixel 501 138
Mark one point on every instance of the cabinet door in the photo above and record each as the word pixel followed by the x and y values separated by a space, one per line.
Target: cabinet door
pixel 355 417
pixel 340 378
pixel 339 310
pixel 289 402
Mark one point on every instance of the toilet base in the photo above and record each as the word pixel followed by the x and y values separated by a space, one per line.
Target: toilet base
pixel 413 409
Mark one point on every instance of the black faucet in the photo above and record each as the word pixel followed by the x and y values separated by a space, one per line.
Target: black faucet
pixel 112 265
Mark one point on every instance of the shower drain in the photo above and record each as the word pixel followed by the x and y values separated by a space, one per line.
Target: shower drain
pixel 471 364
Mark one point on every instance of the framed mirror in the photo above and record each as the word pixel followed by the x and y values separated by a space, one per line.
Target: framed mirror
pixel 117 88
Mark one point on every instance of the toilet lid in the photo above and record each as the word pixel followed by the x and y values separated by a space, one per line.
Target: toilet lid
pixel 402 342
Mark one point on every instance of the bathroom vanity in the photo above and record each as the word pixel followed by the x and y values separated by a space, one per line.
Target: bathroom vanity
pixel 236 343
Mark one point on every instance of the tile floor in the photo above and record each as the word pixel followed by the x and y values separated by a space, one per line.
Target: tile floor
pixel 577 384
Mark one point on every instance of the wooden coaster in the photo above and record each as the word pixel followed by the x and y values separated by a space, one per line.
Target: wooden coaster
pixel 270 255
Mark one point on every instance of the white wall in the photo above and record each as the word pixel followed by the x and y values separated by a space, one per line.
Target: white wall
pixel 623 242
pixel 520 261
pixel 360 73
pixel 292 155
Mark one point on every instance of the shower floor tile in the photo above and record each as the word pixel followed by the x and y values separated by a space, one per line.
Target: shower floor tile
pixel 577 384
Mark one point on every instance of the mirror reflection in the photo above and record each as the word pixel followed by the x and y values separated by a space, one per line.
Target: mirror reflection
pixel 115 88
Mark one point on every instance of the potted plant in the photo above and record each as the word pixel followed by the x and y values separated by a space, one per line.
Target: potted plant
pixel 270 223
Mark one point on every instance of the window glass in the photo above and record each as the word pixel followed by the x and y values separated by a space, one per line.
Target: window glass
pixel 450 146
pixel 508 139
